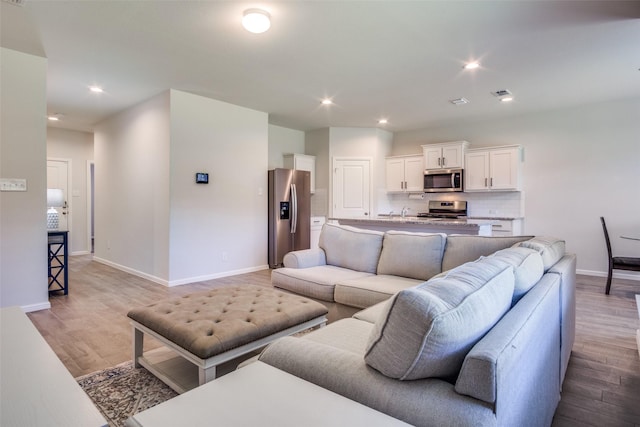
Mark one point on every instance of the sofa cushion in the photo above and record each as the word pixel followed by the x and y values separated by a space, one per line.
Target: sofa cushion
pixel 527 265
pixel 350 247
pixel 427 330
pixel 370 290
pixel 316 282
pixel 371 314
pixel 413 255
pixel 550 248
pixel 465 248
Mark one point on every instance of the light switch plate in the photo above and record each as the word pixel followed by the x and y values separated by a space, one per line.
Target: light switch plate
pixel 13 184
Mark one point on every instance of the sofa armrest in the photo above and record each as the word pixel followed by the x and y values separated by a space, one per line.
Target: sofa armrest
pixel 516 365
pixel 419 402
pixel 566 268
pixel 305 258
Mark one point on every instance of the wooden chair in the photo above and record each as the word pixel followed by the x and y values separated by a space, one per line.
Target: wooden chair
pixel 618 263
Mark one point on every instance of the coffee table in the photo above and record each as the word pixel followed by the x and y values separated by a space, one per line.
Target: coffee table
pixel 203 330
pixel 259 394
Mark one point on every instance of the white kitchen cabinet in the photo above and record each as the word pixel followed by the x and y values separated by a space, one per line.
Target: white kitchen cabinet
pixel 316 228
pixel 302 162
pixel 404 174
pixel 507 227
pixel 447 155
pixel 493 169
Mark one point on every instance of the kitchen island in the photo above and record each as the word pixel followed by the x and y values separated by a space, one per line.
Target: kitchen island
pixel 478 227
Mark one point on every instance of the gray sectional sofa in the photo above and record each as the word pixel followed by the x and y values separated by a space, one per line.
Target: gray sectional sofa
pixel 457 330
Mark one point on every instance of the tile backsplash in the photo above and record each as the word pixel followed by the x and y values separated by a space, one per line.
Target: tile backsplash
pixel 499 204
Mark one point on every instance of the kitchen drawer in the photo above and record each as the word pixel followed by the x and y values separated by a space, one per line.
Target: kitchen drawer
pixel 507 227
pixel 502 225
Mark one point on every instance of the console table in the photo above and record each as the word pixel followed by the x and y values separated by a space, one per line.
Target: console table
pixel 58 259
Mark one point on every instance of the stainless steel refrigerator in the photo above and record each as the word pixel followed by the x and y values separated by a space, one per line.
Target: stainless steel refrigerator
pixel 289 213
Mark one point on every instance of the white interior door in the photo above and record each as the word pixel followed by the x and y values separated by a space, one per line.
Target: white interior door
pixel 351 188
pixel 58 177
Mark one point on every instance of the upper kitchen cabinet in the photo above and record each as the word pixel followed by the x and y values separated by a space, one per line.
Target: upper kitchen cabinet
pixel 493 169
pixel 302 162
pixel 444 156
pixel 404 174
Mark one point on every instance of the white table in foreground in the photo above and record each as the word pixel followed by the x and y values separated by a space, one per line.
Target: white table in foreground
pixel 260 394
pixel 35 387
pixel 638 331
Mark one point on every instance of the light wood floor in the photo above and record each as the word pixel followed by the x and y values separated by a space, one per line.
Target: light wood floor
pixel 89 331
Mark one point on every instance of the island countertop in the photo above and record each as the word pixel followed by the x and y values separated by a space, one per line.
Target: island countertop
pixel 412 223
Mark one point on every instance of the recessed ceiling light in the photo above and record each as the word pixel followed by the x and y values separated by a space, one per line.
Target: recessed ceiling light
pixel 383 121
pixel 53 118
pixel 471 65
pixel 327 101
pixel 256 20
pixel 96 89
pixel 506 99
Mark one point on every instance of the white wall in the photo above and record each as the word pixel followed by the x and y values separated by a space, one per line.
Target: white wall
pixel 77 146
pixel 23 228
pixel 283 141
pixel 132 189
pixel 219 228
pixel 579 164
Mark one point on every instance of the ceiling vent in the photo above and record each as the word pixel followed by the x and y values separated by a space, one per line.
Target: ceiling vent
pixel 501 92
pixel 15 2
pixel 459 101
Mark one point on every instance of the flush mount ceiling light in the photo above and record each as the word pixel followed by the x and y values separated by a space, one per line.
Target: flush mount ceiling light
pixel 506 99
pixel 471 65
pixel 96 89
pixel 383 121
pixel 256 20
pixel 327 101
pixel 459 101
pixel 55 117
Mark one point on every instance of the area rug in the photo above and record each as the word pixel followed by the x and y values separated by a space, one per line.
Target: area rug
pixel 122 391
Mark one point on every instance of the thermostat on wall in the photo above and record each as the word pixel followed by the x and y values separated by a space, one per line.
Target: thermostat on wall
pixel 202 178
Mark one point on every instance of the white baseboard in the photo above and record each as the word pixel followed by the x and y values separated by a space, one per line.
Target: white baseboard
pixel 131 271
pixel 616 275
pixel 179 282
pixel 76 253
pixel 217 275
pixel 36 307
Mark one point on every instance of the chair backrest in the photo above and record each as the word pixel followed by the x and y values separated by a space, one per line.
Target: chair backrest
pixel 606 237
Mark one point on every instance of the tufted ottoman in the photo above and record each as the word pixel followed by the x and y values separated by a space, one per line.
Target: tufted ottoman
pixel 210 328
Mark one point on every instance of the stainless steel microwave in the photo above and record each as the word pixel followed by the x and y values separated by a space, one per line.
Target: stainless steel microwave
pixel 442 180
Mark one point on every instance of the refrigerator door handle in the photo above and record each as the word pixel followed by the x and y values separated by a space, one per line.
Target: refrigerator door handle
pixel 294 209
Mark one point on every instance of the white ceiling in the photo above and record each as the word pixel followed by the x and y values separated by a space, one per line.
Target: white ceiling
pixel 400 60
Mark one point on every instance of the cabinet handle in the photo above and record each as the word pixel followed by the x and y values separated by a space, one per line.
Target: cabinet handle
pixel 491 182
pixel 444 161
pixel 485 182
pixel 405 185
pixel 439 160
